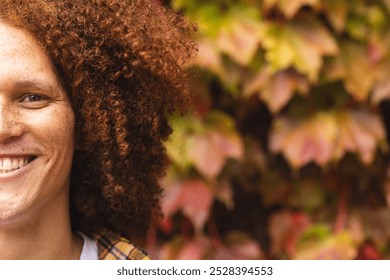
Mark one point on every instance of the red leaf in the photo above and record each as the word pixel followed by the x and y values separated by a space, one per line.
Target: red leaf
pixel 238 246
pixel 193 197
pixel 210 150
pixel 172 201
pixel 207 156
pixel 301 143
pixel 285 228
pixel 194 249
pixel 196 202
pixel 369 252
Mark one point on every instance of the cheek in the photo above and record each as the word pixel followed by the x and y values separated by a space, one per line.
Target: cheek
pixel 55 128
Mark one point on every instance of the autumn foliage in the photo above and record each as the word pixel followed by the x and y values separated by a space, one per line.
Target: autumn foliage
pixel 287 154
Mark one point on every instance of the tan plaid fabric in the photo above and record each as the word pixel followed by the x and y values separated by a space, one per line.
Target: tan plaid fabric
pixel 118 248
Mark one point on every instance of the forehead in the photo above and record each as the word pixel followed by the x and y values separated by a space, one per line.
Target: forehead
pixel 21 57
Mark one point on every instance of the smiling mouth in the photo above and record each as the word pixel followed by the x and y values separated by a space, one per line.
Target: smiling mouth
pixel 10 164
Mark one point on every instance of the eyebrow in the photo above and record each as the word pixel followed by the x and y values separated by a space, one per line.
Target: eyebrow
pixel 34 84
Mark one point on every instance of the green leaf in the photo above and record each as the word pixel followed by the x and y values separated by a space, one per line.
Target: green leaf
pixel 300 44
pixel 176 145
pixel 307 194
pixel 357 27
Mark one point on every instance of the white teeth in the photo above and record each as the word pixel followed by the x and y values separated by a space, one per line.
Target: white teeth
pixel 15 163
pixel 7 165
pixel 12 163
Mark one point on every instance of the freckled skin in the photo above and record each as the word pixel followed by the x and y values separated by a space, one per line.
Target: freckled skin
pixel 37 198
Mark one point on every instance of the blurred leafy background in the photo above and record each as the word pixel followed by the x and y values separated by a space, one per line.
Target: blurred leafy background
pixel 287 155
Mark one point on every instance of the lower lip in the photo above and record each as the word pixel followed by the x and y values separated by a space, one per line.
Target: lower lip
pixel 9 176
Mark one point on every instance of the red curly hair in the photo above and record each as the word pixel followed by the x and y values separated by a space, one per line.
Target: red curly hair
pixel 121 63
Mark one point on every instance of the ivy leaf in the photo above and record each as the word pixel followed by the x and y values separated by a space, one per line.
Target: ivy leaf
pixel 285 229
pixel 210 148
pixel 197 199
pixel 336 11
pixel 300 43
pixel 341 132
pixel 289 7
pixel 387 4
pixel 193 197
pixel 308 195
pixel 369 251
pixel 277 89
pixel 376 226
pixel 359 71
pixel 209 57
pixel 223 191
pixel 273 188
pixel 195 249
pixel 240 38
pixel 210 151
pixel 238 246
pixel 205 144
pixel 301 143
pixel 318 243
pixel 361 132
pixel 177 143
pixel 381 90
pixel 207 16
pixel 206 155
pixel 183 249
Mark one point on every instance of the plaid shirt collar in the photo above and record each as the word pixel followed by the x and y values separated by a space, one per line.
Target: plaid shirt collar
pixel 112 247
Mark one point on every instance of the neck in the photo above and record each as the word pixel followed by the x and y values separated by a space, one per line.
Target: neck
pixel 44 236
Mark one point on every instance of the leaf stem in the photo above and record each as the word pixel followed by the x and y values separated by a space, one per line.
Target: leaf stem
pixel 342 209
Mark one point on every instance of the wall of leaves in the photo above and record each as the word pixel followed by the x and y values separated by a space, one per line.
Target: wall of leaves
pixel 287 154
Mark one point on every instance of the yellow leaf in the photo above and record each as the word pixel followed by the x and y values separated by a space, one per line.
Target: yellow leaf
pixel 340 246
pixel 336 11
pixel 289 7
pixel 240 38
pixel 381 92
pixel 360 73
pixel 387 4
pixel 381 89
pixel 300 44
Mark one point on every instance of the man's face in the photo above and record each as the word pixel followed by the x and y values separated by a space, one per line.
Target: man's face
pixel 36 130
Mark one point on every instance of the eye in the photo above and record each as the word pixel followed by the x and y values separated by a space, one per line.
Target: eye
pixel 32 98
pixel 34 101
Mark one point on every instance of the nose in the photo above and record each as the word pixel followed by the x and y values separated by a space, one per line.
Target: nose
pixel 10 125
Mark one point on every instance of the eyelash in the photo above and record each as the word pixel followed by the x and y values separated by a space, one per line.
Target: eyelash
pixel 40 97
